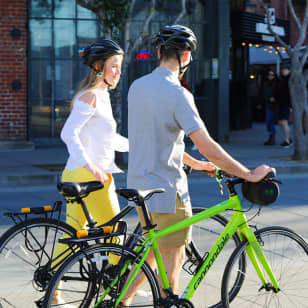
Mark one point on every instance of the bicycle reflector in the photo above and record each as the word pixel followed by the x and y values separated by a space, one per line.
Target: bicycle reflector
pixel 98 231
pixel 262 193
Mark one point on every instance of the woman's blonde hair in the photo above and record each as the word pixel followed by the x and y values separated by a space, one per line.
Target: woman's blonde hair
pixel 91 81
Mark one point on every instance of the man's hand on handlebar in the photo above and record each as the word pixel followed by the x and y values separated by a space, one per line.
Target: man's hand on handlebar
pixel 259 173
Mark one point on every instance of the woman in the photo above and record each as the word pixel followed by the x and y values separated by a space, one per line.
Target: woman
pixel 90 136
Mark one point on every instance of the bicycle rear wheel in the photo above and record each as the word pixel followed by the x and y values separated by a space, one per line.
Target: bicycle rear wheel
pixel 87 273
pixel 25 256
pixel 287 254
pixel 204 235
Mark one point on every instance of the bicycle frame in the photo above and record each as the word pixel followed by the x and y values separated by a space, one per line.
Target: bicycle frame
pixel 238 223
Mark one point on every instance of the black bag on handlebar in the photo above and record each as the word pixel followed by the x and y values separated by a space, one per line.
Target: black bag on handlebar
pixel 262 193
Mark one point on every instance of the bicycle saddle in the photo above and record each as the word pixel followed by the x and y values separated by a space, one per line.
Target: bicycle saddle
pixel 131 194
pixel 78 189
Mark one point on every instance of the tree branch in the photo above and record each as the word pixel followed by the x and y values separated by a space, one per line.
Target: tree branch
pixel 145 29
pixel 269 27
pixel 303 28
pixel 292 11
pixel 85 4
pixel 306 74
pixel 128 23
pixel 305 56
pixel 182 13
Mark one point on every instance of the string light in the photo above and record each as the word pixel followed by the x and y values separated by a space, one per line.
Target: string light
pixel 250 45
pixel 243 44
pixel 265 49
pixel 257 45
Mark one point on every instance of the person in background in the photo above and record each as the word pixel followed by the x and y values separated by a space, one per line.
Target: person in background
pixel 282 95
pixel 271 106
pixel 91 139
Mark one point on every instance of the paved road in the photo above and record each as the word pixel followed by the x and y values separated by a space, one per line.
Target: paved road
pixel 290 210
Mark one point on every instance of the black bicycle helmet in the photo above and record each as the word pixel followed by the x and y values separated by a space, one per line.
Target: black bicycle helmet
pixel 100 50
pixel 176 36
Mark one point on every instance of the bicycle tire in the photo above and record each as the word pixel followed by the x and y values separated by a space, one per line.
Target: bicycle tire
pixel 25 250
pixel 78 279
pixel 287 254
pixel 204 235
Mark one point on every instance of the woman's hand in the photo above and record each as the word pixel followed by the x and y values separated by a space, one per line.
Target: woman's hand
pixel 99 174
pixel 204 165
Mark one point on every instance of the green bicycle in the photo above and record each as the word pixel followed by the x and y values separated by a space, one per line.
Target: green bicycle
pixel 274 277
pixel 27 260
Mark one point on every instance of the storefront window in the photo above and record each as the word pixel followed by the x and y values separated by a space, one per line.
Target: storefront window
pixel 55 68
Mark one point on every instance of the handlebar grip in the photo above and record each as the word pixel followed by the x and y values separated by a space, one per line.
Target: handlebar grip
pixel 270 175
pixel 187 169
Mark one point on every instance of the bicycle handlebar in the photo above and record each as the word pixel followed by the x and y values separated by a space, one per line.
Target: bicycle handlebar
pixel 221 174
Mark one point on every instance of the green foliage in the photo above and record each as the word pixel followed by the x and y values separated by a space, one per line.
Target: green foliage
pixel 112 14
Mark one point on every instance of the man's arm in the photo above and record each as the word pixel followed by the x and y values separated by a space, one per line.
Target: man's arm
pixel 198 164
pixel 209 148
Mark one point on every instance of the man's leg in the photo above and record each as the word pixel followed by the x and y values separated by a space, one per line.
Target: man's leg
pixel 173 260
pixel 172 248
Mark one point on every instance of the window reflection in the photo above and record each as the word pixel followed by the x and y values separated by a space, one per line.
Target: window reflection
pixel 64 9
pixel 41 74
pixel 85 13
pixel 39 8
pixel 61 112
pixel 64 83
pixel 64 38
pixel 40 118
pixel 40 32
pixel 86 32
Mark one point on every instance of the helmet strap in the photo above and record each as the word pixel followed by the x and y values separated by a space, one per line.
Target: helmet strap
pixel 107 83
pixel 180 64
pixel 182 69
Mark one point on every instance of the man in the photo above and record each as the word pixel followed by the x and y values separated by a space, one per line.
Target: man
pixel 160 112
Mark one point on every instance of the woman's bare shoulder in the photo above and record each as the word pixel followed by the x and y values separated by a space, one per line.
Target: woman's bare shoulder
pixel 89 98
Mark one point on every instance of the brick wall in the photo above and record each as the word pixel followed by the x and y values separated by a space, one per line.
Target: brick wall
pixel 13 67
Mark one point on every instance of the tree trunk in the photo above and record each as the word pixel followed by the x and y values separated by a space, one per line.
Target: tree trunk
pixel 298 92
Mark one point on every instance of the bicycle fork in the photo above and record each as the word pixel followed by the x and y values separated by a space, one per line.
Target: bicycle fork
pixel 256 256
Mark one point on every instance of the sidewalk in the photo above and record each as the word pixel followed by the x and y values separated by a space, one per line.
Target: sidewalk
pixel 43 166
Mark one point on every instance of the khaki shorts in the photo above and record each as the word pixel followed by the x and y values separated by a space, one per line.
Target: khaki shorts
pixel 163 220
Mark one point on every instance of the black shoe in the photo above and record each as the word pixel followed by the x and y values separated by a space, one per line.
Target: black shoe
pixel 286 144
pixel 270 141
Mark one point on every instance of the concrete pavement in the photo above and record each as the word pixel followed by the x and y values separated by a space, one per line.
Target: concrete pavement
pixel 28 177
pixel 43 166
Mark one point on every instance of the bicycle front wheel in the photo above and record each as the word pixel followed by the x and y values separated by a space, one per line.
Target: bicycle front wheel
pixel 286 253
pixel 84 277
pixel 26 251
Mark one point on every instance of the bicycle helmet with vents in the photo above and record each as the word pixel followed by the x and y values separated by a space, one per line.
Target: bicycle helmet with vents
pixel 176 36
pixel 99 50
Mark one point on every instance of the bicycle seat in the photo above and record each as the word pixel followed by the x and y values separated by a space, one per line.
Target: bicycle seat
pixel 131 194
pixel 78 189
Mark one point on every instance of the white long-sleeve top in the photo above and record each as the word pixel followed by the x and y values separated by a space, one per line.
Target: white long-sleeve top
pixel 90 134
